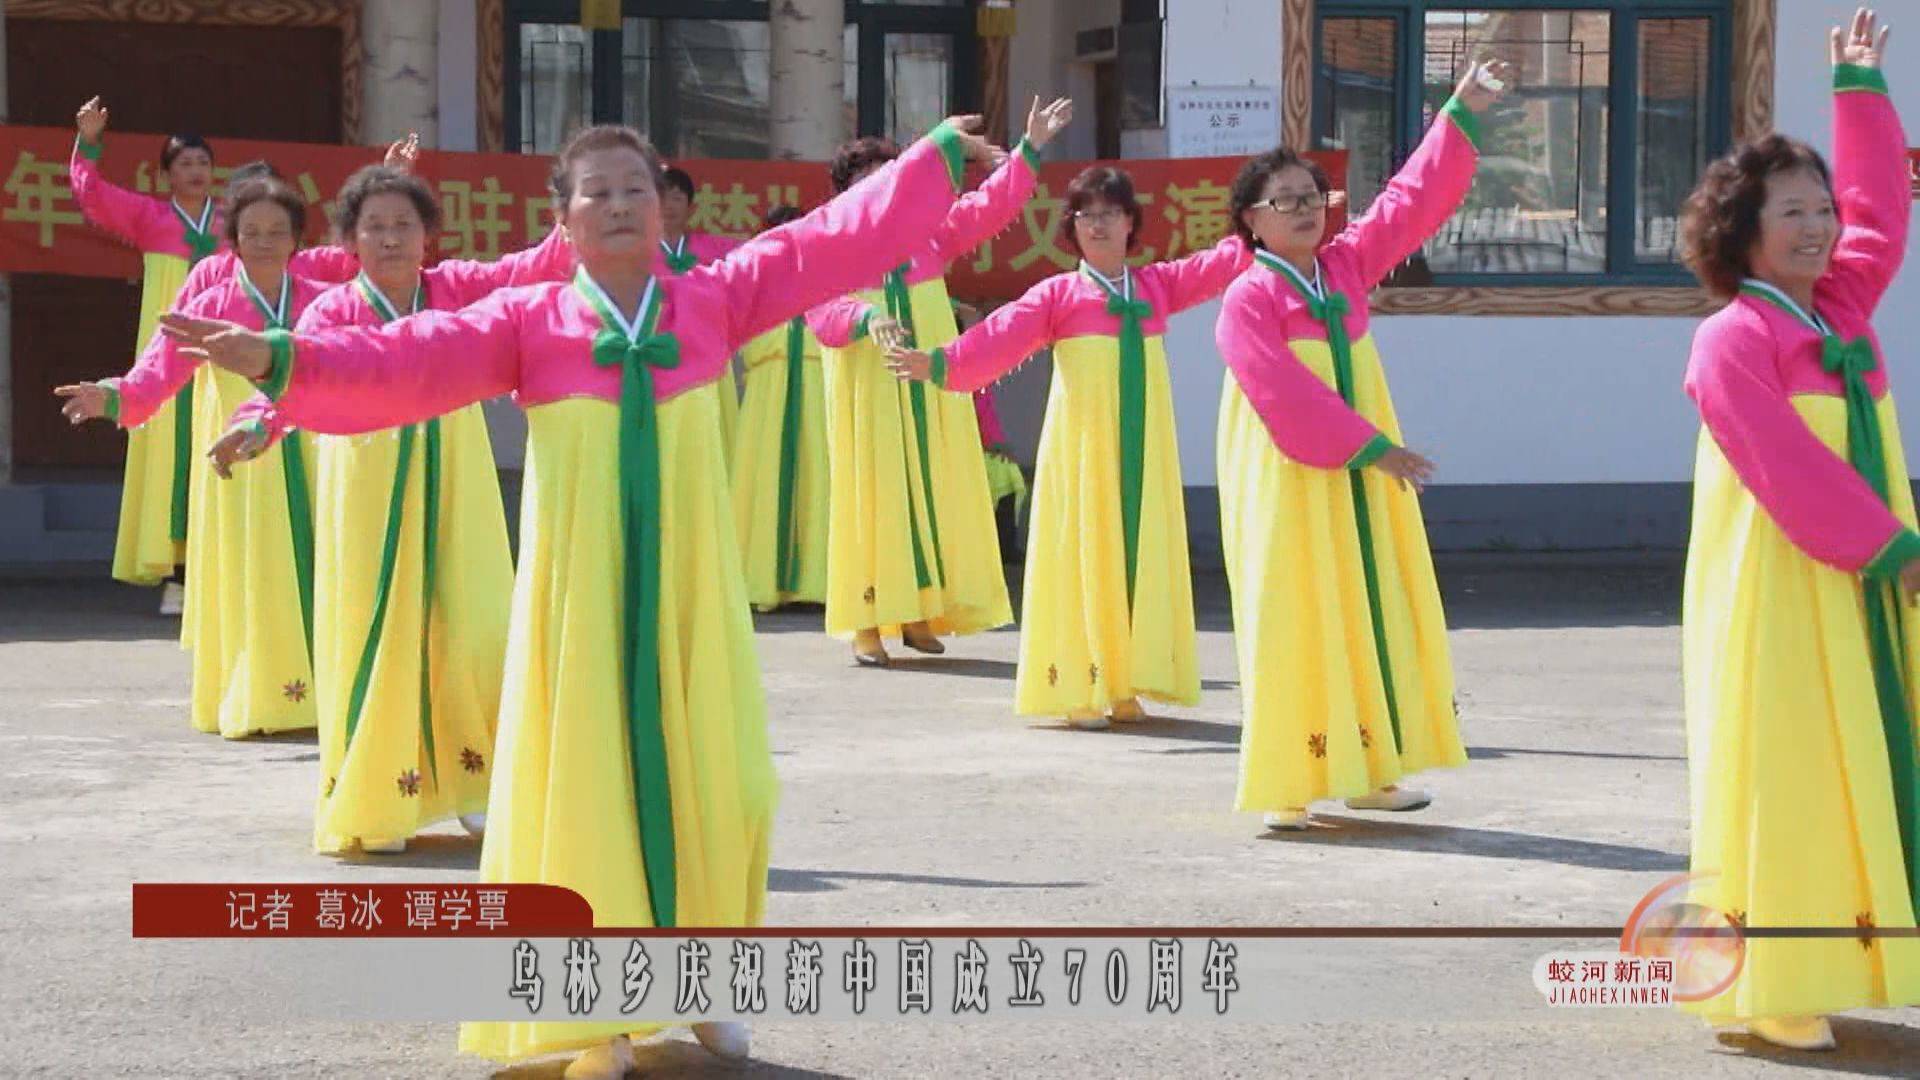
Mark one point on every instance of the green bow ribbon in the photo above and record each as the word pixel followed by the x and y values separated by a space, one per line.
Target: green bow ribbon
pixel 679 260
pixel 1330 309
pixel 900 307
pixel 1852 360
pixel 638 355
pixel 293 469
pixel 787 566
pixel 1133 315
pixel 390 551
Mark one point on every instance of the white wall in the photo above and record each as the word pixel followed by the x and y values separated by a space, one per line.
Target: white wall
pixel 459 57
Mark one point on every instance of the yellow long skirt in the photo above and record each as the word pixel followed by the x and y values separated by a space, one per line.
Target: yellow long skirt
pixel 251 673
pixel 756 474
pixel 562 809
pixel 1080 647
pixel 1315 721
pixel 144 550
pixel 1792 798
pixel 879 502
pixel 401 771
pixel 727 392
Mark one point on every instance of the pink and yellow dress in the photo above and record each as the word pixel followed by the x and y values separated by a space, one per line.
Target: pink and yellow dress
pixel 413 579
pixel 632 762
pixel 1107 609
pixel 780 485
pixel 1801 660
pixel 250 571
pixel 155 491
pixel 693 249
pixel 911 536
pixel 1005 480
pixel 1346 680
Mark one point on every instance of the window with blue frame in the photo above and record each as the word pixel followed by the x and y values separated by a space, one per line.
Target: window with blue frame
pixel 1618 107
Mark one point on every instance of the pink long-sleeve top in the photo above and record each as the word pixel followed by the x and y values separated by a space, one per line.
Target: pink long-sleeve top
pixel 1072 305
pixel 975 218
pixel 326 264
pixel 144 222
pixel 1263 311
pixel 162 369
pixel 536 342
pixel 1752 358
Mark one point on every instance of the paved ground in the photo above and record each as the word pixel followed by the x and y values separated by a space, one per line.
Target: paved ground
pixel 913 796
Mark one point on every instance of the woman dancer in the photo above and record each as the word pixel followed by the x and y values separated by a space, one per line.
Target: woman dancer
pixel 912 546
pixel 1346 682
pixel 1798 652
pixel 1107 610
pixel 632 762
pixel 680 251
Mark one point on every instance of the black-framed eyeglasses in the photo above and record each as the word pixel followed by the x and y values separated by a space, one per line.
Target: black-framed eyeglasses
pixel 1098 217
pixel 1294 204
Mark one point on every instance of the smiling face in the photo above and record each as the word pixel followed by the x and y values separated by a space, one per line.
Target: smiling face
pixel 191 173
pixel 389 238
pixel 613 213
pixel 1798 228
pixel 1102 229
pixel 1293 236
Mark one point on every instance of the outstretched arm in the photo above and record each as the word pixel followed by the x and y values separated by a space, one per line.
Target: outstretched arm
pixel 1200 277
pixel 465 281
pixel 998 343
pixel 1307 419
pixel 840 322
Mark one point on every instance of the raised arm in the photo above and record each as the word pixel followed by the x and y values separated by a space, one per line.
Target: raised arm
pixel 1306 418
pixel 1816 498
pixel 998 343
pixel 840 322
pixel 465 281
pixel 982 213
pixel 1200 276
pixel 850 242
pixel 134 219
pixel 1419 199
pixel 1872 184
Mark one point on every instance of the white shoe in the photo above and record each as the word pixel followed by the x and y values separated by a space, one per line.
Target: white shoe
pixel 611 1060
pixel 727 1039
pixel 173 599
pixel 475 824
pixel 1293 820
pixel 383 847
pixel 1794 1032
pixel 1392 798
pixel 1087 721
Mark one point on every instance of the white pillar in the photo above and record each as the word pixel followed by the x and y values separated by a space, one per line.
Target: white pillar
pixel 400 84
pixel 807 85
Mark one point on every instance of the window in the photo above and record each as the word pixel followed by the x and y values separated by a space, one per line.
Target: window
pixel 1584 165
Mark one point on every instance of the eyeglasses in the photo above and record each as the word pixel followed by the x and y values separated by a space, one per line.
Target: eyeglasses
pixel 1098 217
pixel 1294 204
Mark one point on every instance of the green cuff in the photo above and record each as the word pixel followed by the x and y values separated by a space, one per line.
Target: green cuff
pixel 1857 77
pixel 1370 452
pixel 939 358
pixel 1463 118
pixel 280 370
pixel 112 388
pixel 1901 550
pixel 89 150
pixel 1026 150
pixel 947 138
pixel 860 328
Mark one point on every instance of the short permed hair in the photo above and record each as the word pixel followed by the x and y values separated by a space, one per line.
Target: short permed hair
pixel 1721 219
pixel 1108 184
pixel 856 156
pixel 1253 177
pixel 598 137
pixel 380 180
pixel 265 189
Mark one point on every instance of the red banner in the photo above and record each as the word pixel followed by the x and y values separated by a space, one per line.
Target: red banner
pixel 496 203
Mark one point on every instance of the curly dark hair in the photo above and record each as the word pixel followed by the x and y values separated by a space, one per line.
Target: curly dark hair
pixel 856 155
pixel 1721 219
pixel 179 142
pixel 780 215
pixel 1107 184
pixel 381 180
pixel 265 189
pixel 599 137
pixel 1253 177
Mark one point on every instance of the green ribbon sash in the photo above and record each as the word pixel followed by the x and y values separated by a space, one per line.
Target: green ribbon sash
pixel 1330 309
pixel 679 259
pixel 900 309
pixel 390 551
pixel 787 564
pixel 1133 314
pixel 200 243
pixel 293 469
pixel 637 351
pixel 1852 360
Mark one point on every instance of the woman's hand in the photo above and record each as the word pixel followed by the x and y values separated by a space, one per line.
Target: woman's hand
pixel 242 443
pixel 978 149
pixel 910 365
pixel 887 332
pixel 229 345
pixel 1044 123
pixel 1484 84
pixel 403 153
pixel 1405 466
pixel 85 401
pixel 1859 44
pixel 92 119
